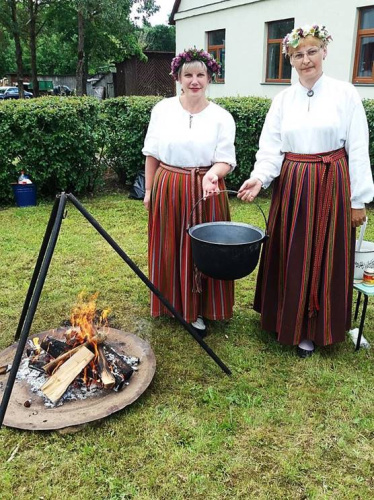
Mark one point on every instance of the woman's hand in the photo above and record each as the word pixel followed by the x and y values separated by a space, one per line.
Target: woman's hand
pixel 210 184
pixel 147 199
pixel 249 189
pixel 358 216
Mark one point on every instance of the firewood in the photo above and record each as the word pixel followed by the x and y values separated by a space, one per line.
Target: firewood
pixel 54 347
pixel 120 382
pixel 57 384
pixel 123 368
pixel 5 369
pixel 104 370
pixel 49 367
pixel 39 367
pixel 38 361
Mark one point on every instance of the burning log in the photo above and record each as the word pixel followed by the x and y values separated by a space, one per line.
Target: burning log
pixel 123 368
pixel 37 365
pixel 49 367
pixel 57 384
pixel 105 373
pixel 54 347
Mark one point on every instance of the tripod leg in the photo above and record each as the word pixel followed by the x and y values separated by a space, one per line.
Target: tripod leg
pixel 38 265
pixel 149 284
pixel 32 306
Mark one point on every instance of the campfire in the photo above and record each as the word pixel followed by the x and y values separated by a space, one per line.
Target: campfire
pixel 84 361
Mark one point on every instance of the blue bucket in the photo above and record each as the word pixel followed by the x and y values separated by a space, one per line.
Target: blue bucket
pixel 25 194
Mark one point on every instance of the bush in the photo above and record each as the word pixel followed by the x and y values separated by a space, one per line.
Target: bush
pixel 369 109
pixel 126 122
pixel 55 140
pixel 249 114
pixel 65 144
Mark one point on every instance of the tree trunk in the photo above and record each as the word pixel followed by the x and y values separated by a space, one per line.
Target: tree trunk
pixel 32 10
pixel 81 66
pixel 17 41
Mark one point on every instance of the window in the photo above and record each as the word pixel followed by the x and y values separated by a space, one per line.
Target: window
pixel 363 68
pixel 278 67
pixel 216 47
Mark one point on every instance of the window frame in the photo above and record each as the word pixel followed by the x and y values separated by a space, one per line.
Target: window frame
pixel 282 57
pixel 361 33
pixel 215 49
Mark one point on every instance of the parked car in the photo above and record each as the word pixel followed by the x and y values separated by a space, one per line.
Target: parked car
pixel 12 93
pixel 62 90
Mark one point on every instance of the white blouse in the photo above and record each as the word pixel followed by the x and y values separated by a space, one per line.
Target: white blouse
pixel 181 139
pixel 332 118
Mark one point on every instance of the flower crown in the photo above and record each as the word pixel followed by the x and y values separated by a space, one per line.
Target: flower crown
pixel 194 55
pixel 293 39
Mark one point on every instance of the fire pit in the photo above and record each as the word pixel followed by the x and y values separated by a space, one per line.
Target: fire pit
pixel 35 415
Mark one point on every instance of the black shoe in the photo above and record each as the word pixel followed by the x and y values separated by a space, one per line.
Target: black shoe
pixel 199 326
pixel 201 333
pixel 303 353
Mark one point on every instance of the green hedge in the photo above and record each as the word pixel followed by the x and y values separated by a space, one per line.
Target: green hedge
pixel 249 114
pixel 369 109
pixel 67 144
pixel 126 122
pixel 57 141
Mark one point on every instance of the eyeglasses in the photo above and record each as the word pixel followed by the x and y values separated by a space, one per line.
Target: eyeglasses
pixel 299 56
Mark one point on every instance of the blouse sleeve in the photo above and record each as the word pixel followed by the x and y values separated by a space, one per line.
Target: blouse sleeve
pixel 151 141
pixel 225 149
pixel 357 147
pixel 269 157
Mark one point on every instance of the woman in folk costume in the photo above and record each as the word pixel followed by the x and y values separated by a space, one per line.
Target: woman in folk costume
pixel 315 145
pixel 189 148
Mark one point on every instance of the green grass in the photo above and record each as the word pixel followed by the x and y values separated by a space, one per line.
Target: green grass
pixel 279 427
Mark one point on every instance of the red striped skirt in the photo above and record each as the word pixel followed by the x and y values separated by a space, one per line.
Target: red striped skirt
pixel 171 268
pixel 304 286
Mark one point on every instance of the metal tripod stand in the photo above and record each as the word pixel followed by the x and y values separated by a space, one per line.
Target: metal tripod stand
pixel 39 276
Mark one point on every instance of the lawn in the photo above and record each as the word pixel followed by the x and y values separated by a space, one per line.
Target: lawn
pixel 278 427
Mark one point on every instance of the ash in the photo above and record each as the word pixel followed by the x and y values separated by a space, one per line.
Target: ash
pixel 78 390
pixel 36 379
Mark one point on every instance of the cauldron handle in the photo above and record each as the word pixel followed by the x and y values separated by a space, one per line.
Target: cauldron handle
pixel 227 191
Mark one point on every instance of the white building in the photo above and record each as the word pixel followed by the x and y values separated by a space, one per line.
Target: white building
pixel 246 36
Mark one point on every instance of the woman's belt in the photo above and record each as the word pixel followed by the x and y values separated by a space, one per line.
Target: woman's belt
pixel 184 170
pixel 325 158
pixel 322 214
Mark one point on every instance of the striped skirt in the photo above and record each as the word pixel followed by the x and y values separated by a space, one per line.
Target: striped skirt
pixel 304 286
pixel 175 191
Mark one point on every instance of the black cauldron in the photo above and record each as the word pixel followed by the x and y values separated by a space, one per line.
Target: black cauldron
pixel 226 250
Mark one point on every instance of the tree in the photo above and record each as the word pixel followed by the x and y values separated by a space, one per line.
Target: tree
pixel 50 34
pixel 106 23
pixel 35 23
pixel 160 37
pixel 7 51
pixel 14 29
pixel 22 18
pixel 32 10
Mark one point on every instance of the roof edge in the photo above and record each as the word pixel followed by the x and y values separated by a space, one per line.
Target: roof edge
pixel 174 11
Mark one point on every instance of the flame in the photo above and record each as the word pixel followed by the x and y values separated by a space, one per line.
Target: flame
pixel 85 323
pixel 37 347
pixel 82 317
